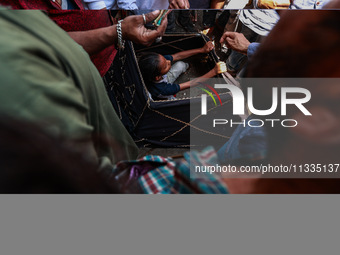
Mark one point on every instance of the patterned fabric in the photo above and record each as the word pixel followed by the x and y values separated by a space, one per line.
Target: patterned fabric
pixel 170 177
pixel 259 21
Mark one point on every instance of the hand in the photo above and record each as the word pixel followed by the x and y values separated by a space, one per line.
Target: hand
pixel 133 28
pixel 220 67
pixel 179 4
pixel 209 46
pixel 235 41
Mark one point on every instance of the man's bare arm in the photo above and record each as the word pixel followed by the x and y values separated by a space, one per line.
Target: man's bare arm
pixel 188 53
pixel 94 41
pixel 133 29
pixel 217 4
pixel 213 72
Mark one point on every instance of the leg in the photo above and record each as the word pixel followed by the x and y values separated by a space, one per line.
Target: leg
pixel 176 70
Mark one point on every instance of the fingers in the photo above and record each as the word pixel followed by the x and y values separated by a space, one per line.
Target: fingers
pixel 183 4
pixel 221 67
pixel 223 37
pixel 173 4
pixel 210 45
pixel 187 4
pixel 226 35
pixel 164 23
pixel 151 16
pixel 150 36
pixel 179 4
pixel 229 42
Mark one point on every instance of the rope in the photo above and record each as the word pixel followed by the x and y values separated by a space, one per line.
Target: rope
pixel 164 44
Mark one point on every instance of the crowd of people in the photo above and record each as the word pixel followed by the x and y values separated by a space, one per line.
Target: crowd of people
pixel 60 134
pixel 171 4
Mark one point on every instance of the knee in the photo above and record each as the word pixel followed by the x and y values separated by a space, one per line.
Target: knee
pixel 182 65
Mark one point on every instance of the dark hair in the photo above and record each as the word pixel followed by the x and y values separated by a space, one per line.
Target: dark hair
pixel 32 161
pixel 149 66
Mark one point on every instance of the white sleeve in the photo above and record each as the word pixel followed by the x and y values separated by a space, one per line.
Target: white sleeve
pixel 233 4
pixel 95 4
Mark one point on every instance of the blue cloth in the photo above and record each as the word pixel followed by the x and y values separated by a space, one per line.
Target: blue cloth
pixel 70 5
pixel 246 143
pixel 152 4
pixel 252 49
pixel 111 4
pixel 169 57
pixel 163 88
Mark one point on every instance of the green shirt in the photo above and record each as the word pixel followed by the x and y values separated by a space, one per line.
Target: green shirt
pixel 49 79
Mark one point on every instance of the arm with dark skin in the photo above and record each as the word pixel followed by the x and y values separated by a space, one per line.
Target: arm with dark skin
pixel 217 4
pixel 133 29
pixel 213 72
pixel 94 41
pixel 188 53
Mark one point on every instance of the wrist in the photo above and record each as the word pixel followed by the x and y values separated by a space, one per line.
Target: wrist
pixel 124 30
pixel 202 50
pixel 245 49
pixel 214 71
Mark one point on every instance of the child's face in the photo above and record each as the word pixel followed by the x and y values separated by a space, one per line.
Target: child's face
pixel 165 65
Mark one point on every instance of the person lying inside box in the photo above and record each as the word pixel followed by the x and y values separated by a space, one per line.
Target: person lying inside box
pixel 161 71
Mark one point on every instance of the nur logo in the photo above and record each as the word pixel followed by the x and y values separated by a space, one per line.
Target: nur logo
pixel 239 99
pixel 204 98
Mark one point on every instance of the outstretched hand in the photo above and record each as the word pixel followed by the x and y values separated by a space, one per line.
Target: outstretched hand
pixel 220 67
pixel 179 4
pixel 209 46
pixel 235 41
pixel 133 28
